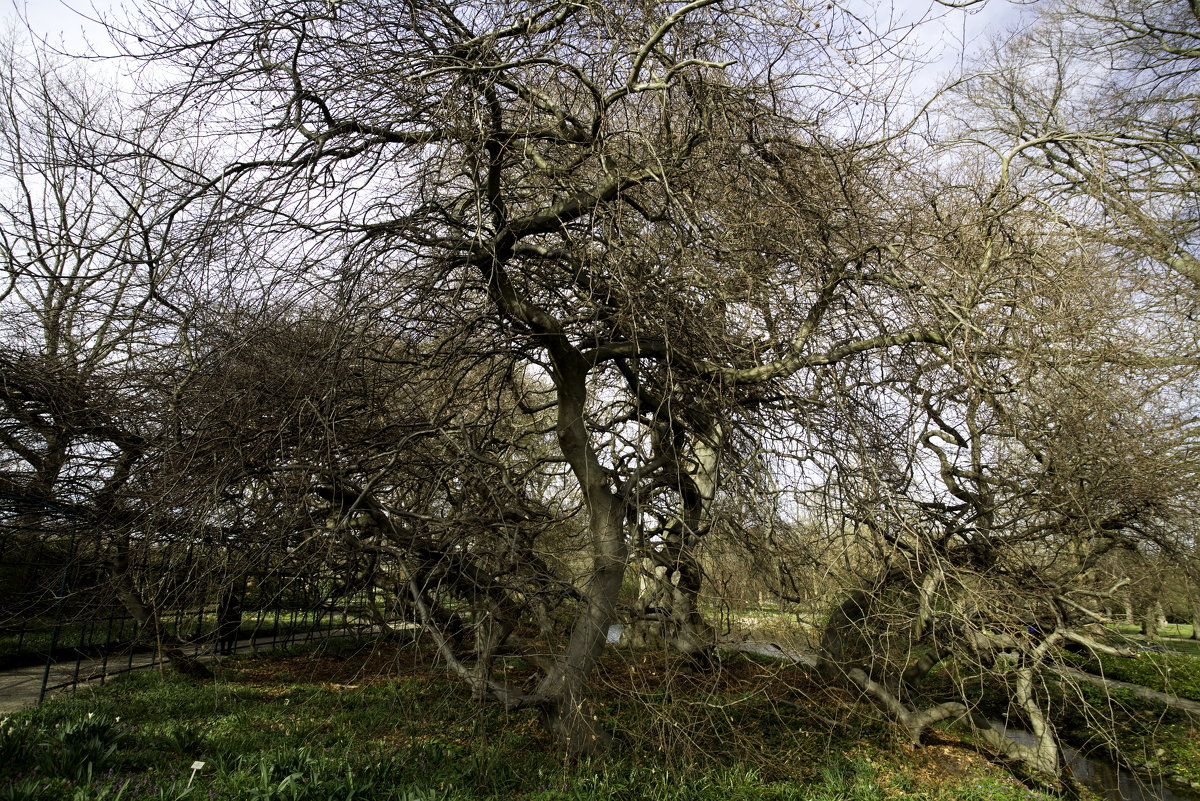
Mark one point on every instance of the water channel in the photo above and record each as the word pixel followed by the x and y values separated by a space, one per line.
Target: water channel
pixel 1104 778
pixel 1100 776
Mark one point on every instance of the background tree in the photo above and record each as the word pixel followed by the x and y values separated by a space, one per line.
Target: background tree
pixel 1093 107
pixel 83 332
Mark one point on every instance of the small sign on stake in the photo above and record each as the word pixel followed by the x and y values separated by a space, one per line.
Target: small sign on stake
pixel 196 766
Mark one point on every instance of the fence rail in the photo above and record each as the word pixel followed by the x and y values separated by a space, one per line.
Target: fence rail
pixel 62 623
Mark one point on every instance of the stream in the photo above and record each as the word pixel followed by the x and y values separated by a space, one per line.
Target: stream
pixel 1100 776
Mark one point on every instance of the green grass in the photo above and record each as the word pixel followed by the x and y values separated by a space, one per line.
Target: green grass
pixel 1174 673
pixel 351 722
pixel 1175 637
pixel 1143 732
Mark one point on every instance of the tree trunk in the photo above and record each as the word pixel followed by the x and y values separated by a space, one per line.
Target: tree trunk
pixel 667 614
pixel 1150 622
pixel 841 637
pixel 568 713
pixel 1045 754
pixel 573 722
pixel 1192 575
pixel 925 598
pixel 147 619
pixel 844 644
pixel 491 631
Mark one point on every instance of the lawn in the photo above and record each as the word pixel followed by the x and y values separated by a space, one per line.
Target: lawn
pixel 1143 731
pixel 1175 637
pixel 372 721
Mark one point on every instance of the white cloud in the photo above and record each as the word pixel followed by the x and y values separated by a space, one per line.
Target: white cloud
pixel 66 27
pixel 943 38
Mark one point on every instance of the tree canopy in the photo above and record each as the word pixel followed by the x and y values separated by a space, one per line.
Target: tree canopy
pixel 542 318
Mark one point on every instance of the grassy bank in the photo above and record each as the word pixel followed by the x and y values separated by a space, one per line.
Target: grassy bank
pixel 1149 736
pixel 374 722
pixel 1174 637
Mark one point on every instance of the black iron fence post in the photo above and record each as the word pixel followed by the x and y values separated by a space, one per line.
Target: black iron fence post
pixel 62 594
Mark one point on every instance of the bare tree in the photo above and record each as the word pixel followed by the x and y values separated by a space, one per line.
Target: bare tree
pixel 482 305
pixel 1043 438
pixel 83 255
pixel 606 197
pixel 1092 107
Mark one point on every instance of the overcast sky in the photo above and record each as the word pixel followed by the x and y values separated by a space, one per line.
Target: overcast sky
pixel 61 23
pixel 947 36
pixel 953 31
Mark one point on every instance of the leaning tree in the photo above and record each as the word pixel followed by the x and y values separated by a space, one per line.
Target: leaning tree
pixel 661 212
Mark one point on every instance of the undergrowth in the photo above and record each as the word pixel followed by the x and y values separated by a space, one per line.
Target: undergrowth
pixel 346 722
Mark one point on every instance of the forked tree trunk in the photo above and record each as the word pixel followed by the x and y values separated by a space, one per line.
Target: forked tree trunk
pixel 568 712
pixel 667 614
pixel 491 631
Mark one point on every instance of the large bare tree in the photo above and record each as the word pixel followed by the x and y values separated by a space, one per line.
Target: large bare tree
pixel 643 206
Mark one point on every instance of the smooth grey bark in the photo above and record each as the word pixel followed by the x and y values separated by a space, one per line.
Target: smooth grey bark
pixel 1173 701
pixel 838 631
pixel 914 721
pixel 925 595
pixel 568 712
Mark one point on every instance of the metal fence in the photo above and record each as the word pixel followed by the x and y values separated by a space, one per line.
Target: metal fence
pixel 61 612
